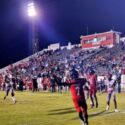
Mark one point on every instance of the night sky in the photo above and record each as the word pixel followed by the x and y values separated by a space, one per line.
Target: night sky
pixel 59 21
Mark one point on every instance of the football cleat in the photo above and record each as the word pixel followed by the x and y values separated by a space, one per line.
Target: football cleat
pixel 96 105
pixel 116 110
pixel 85 123
pixel 4 98
pixel 15 102
pixel 107 108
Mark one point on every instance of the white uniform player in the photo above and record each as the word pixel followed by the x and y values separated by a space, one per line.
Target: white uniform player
pixel 9 87
pixel 110 83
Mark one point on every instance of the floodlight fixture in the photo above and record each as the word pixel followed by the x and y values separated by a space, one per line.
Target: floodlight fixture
pixel 31 9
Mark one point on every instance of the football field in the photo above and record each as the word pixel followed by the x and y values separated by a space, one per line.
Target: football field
pixel 46 108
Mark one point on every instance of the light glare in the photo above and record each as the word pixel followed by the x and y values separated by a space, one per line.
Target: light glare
pixel 31 10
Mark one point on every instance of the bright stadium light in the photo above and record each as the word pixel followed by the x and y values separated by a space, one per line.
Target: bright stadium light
pixel 31 10
pixel 33 15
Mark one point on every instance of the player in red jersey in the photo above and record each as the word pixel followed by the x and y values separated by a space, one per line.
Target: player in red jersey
pixel 92 78
pixel 76 88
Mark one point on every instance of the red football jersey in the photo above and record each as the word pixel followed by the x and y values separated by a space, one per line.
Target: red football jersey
pixel 92 80
pixel 76 88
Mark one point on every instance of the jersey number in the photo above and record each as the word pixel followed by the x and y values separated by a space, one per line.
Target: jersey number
pixel 78 90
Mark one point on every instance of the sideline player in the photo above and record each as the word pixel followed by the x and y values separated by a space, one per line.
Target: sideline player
pixel 92 78
pixel 110 83
pixel 76 88
pixel 9 87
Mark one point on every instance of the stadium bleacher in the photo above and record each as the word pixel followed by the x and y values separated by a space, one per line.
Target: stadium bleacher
pixel 102 60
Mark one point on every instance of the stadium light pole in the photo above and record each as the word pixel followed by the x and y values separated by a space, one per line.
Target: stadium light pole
pixel 32 13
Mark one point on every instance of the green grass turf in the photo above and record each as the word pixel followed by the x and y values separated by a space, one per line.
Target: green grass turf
pixel 56 109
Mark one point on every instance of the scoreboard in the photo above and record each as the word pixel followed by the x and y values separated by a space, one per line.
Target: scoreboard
pixel 101 39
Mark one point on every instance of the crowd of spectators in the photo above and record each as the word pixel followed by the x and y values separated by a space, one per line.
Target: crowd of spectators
pixel 37 73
